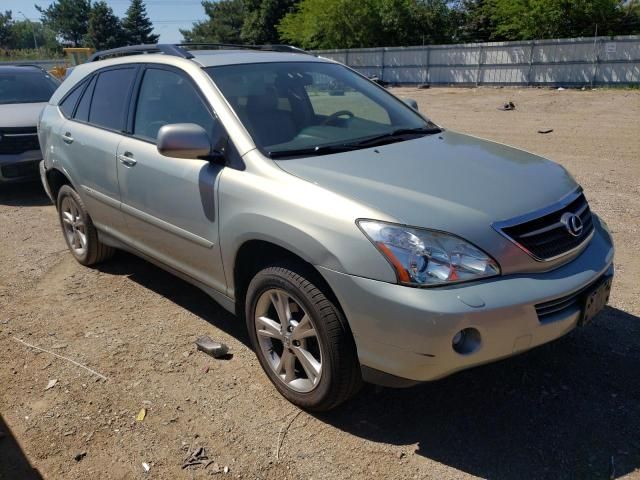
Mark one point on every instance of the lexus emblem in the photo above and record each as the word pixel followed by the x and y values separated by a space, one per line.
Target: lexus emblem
pixel 572 223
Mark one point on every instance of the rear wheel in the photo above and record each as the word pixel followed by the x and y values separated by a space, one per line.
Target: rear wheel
pixel 301 339
pixel 78 229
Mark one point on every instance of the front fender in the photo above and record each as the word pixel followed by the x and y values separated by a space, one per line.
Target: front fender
pixel 313 223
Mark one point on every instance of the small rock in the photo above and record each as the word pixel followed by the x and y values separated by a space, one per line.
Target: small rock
pixel 79 456
pixel 51 384
pixel 146 467
pixel 401 455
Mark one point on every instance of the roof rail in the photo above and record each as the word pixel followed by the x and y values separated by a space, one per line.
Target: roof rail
pixel 182 49
pixel 167 49
pixel 265 48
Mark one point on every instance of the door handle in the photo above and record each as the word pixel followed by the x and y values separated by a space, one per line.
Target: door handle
pixel 67 138
pixel 127 159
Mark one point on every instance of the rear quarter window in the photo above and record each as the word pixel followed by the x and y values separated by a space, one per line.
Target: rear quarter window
pixel 69 103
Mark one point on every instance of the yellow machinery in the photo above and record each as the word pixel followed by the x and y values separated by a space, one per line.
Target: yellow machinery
pixel 74 56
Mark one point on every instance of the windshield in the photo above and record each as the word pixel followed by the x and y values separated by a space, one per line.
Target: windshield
pixel 26 87
pixel 301 108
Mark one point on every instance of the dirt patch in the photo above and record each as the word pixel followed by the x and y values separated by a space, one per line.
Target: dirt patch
pixel 570 409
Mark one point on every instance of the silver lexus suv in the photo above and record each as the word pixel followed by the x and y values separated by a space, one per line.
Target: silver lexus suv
pixel 356 238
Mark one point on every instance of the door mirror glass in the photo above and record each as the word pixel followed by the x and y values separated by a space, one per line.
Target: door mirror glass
pixel 184 140
pixel 412 103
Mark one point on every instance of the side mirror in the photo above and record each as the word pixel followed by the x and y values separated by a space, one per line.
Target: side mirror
pixel 412 103
pixel 184 140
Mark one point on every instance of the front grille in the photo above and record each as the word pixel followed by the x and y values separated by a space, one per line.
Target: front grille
pixel 18 140
pixel 547 237
pixel 548 309
pixel 18 170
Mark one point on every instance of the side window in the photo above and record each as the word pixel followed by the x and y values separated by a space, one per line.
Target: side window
pixel 69 103
pixel 82 112
pixel 111 97
pixel 167 97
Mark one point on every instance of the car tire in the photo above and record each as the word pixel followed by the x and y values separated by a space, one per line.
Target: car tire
pixel 79 232
pixel 298 290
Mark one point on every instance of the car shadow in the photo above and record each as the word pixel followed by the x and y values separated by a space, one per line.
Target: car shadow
pixel 568 409
pixel 177 291
pixel 28 194
pixel 14 464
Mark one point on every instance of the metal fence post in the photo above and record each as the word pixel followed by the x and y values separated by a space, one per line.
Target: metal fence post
pixel 596 61
pixel 382 67
pixel 533 46
pixel 480 61
pixel 427 73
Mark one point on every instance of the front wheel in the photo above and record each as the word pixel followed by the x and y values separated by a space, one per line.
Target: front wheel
pixel 79 232
pixel 301 339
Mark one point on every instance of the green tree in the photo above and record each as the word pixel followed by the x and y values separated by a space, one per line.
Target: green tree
pixel 261 19
pixel 474 21
pixel 105 29
pixel 69 19
pixel 23 32
pixel 6 23
pixel 530 19
pixel 137 26
pixel 367 23
pixel 226 18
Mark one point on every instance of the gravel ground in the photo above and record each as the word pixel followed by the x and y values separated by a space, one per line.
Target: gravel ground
pixel 570 409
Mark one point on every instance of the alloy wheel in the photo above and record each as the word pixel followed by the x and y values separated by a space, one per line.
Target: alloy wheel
pixel 74 227
pixel 288 340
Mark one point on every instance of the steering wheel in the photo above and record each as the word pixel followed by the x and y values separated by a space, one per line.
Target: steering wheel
pixel 336 115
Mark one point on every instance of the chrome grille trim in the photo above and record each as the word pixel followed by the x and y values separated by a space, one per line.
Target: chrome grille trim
pixel 556 207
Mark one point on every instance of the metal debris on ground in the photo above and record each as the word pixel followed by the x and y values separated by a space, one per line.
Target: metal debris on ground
pixel 549 130
pixel 211 347
pixel 199 457
pixel 141 414
pixel 51 384
pixel 508 107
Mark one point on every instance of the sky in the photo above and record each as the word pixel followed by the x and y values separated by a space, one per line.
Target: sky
pixel 168 16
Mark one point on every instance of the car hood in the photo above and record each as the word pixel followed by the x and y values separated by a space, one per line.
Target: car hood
pixel 449 181
pixel 20 114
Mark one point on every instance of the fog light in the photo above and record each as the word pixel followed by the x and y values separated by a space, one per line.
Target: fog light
pixel 466 341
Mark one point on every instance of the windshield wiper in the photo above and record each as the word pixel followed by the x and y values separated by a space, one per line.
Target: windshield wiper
pixel 389 137
pixel 317 150
pixel 397 135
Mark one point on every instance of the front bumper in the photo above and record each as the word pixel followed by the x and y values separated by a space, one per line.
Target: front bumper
pixel 407 332
pixel 20 167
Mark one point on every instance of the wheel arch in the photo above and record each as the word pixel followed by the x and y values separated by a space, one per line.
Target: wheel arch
pixel 55 181
pixel 256 254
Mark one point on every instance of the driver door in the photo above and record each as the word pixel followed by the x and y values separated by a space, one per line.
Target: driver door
pixel 170 204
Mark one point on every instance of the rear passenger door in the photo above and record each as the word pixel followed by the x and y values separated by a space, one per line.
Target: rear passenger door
pixel 89 143
pixel 170 203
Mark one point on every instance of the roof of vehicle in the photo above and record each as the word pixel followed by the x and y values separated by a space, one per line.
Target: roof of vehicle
pixel 212 54
pixel 212 58
pixel 13 68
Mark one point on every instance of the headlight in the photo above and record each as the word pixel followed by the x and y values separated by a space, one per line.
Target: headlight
pixel 425 257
